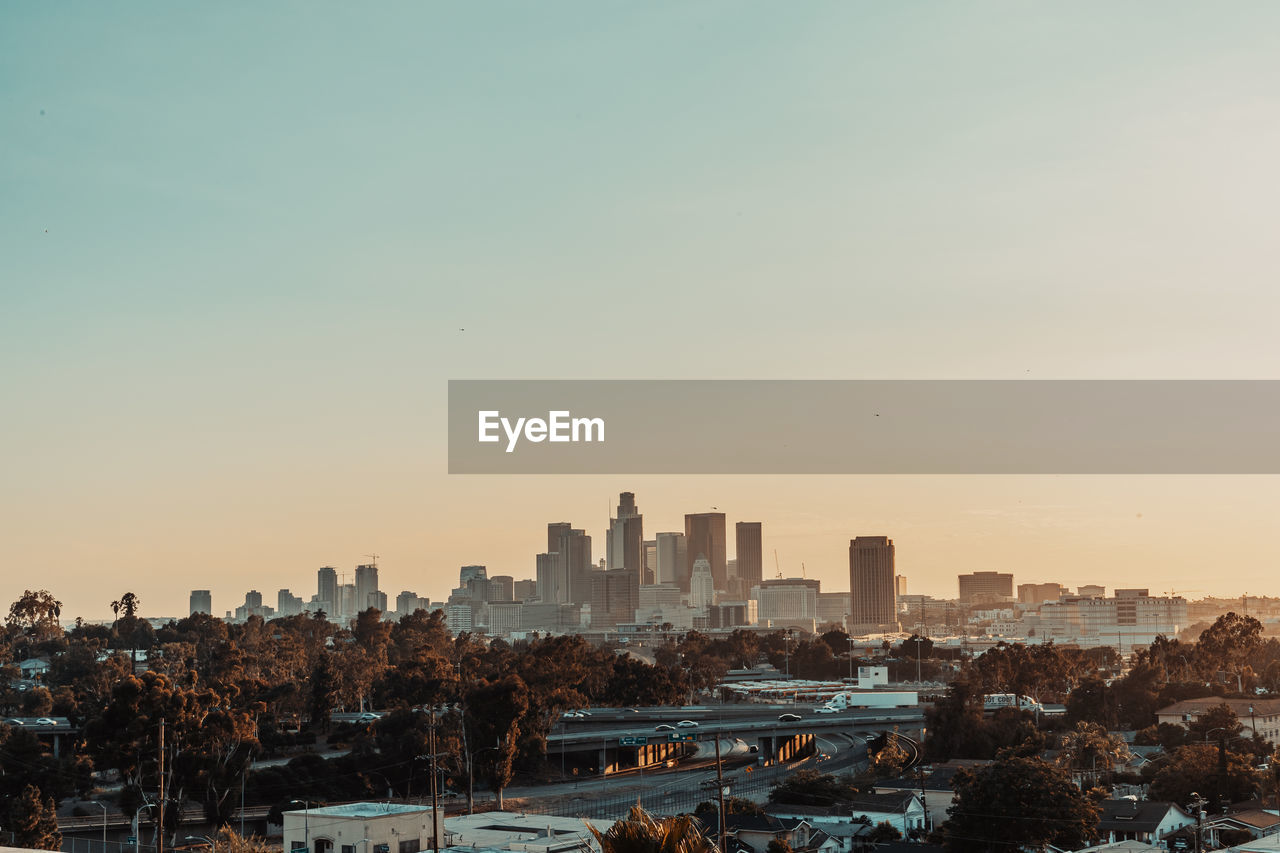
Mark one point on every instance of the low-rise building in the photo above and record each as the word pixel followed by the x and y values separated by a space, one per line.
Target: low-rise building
pixel 359 828
pixel 1256 715
pixel 530 833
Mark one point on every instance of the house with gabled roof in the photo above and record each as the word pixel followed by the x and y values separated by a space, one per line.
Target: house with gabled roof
pixel 1140 820
pixel 1256 822
pixel 752 834
pixel 900 809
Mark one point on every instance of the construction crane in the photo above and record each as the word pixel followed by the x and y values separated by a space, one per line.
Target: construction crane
pixel 1171 593
pixel 777 568
pixel 373 559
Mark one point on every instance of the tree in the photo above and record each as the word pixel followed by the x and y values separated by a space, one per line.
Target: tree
pixel 812 788
pixel 732 805
pixel 890 758
pixel 33 821
pixel 1226 643
pixel 640 832
pixel 1218 773
pixel 36 614
pixel 882 832
pixel 1018 802
pixel 495 711
pixel 1089 750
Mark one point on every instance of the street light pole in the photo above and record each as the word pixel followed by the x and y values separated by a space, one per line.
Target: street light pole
pixel 137 825
pixel 104 824
pixel 306 822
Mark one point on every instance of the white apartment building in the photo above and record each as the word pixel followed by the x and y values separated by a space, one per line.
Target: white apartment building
pixel 1131 619
pixel 788 601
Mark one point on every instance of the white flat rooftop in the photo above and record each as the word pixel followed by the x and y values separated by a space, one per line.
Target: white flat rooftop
pixel 363 810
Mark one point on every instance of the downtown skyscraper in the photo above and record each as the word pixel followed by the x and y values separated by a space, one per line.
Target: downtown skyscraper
pixel 705 537
pixel 871 585
pixel 624 547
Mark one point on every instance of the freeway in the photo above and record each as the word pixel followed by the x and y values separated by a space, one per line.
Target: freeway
pixel 741 721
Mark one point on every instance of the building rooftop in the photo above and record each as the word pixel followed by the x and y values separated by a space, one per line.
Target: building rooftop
pixel 361 810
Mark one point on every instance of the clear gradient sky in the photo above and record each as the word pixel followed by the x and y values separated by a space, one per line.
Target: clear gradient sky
pixel 238 245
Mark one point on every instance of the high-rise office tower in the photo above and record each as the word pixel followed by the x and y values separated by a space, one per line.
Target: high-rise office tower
pixel 650 574
pixel 346 605
pixel 287 604
pixel 201 601
pixel 407 602
pixel 502 588
pixel 624 548
pixel 467 573
pixel 702 593
pixel 671 560
pixel 614 596
pixel 327 590
pixel 555 530
pixel 705 537
pixel 524 590
pixel 749 553
pixel 366 587
pixel 871 584
pixel 573 563
pixel 986 587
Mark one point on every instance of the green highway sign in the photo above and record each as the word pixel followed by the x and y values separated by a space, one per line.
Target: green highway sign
pixel 633 741
pixel 678 737
pixel 132 839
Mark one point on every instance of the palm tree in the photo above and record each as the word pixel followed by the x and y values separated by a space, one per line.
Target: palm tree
pixel 1091 748
pixel 641 832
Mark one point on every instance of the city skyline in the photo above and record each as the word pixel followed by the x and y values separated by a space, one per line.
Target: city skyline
pixel 436 582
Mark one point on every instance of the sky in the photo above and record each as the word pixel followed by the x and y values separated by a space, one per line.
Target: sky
pixel 243 248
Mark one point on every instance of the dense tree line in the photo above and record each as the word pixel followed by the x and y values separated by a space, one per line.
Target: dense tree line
pixel 232 693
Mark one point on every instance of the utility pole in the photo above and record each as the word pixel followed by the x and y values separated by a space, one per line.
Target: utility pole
pixel 924 800
pixel 160 836
pixel 720 794
pixel 1197 803
pixel 435 790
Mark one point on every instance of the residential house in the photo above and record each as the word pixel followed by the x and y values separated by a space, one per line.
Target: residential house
pixel 1256 822
pixel 1256 715
pixel 1140 820
pixel 752 834
pixel 900 809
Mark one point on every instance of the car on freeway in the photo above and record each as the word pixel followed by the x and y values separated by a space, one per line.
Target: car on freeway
pixel 46 721
pixel 15 723
pixel 687 724
pixel 368 717
pixel 664 728
pixel 826 709
pixel 570 715
pixel 789 718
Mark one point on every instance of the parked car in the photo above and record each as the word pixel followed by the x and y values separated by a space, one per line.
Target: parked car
pixel 687 724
